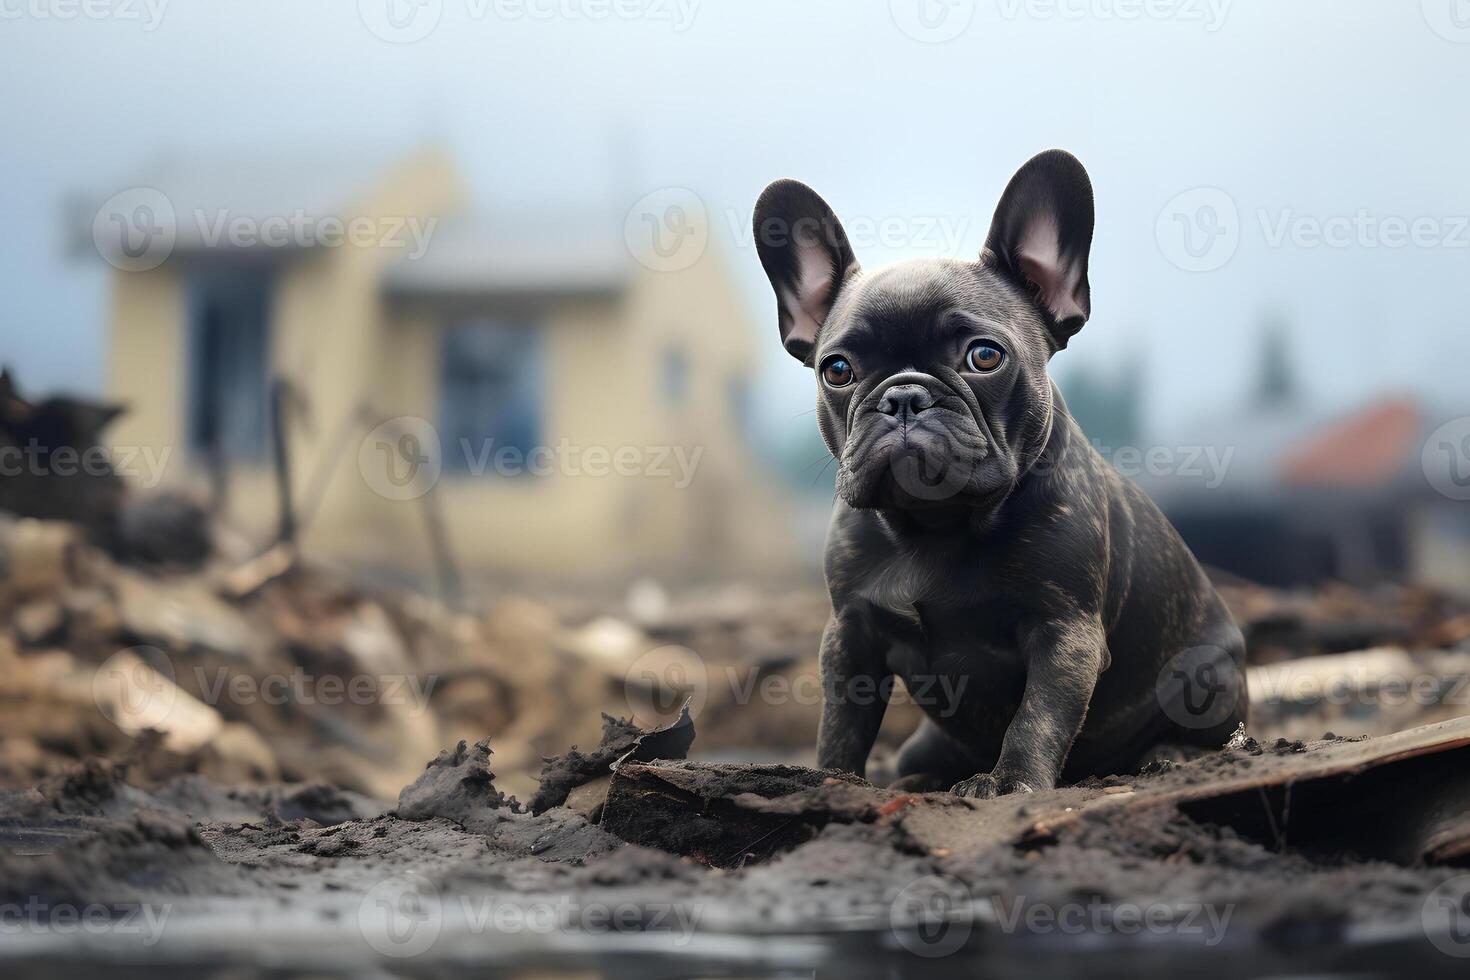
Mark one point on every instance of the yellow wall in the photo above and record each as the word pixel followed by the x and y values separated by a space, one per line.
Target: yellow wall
pixel 146 363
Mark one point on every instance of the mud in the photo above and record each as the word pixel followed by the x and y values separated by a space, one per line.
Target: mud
pixel 687 852
pixel 564 773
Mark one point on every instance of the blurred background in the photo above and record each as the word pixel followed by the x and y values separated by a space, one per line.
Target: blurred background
pixel 428 336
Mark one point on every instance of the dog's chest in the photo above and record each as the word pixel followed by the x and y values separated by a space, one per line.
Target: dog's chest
pixel 898 586
pixel 935 619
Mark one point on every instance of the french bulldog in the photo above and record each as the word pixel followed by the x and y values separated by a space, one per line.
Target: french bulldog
pixel 1036 604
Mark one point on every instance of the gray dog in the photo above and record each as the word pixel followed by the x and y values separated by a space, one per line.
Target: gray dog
pixel 1038 607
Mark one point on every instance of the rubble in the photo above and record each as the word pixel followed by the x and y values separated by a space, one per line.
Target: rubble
pixel 816 854
pixel 458 786
pixel 717 815
pixel 1337 618
pixel 622 742
pixel 1366 692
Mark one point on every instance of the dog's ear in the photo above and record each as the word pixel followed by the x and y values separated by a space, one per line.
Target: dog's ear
pixel 807 257
pixel 1041 237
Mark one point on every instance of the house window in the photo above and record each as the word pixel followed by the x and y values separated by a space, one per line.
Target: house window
pixel 675 377
pixel 491 395
pixel 229 343
pixel 742 411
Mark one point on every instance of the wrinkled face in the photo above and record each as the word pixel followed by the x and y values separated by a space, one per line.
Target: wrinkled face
pixel 932 386
pixel 932 374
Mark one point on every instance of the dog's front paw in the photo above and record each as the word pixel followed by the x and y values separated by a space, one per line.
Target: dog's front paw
pixel 989 785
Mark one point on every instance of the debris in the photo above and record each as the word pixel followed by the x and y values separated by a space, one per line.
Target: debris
pixel 768 847
pixel 38 621
pixel 184 615
pixel 621 741
pixel 137 698
pixel 1396 798
pixel 459 786
pixel 68 476
pixel 607 641
pixel 718 814
pixel 35 556
pixel 1370 692
pixel 164 529
pixel 564 773
pixel 672 741
pixel 648 602
pixel 269 565
pixel 1338 618
pixel 588 798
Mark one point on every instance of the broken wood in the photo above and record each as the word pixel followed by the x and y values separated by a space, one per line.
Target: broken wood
pixel 1399 797
pixel 35 556
pixel 250 577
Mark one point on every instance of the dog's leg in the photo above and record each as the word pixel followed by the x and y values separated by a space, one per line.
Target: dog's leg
pixel 1063 660
pixel 855 685
pixel 930 760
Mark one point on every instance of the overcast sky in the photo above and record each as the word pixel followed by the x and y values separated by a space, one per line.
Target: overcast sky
pixel 1344 116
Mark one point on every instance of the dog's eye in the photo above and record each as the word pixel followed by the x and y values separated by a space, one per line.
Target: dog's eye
pixel 837 373
pixel 984 356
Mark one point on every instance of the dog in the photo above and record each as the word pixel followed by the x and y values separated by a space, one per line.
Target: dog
pixel 1036 604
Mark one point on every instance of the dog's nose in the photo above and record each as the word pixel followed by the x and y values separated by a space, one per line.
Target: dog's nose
pixel 911 398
